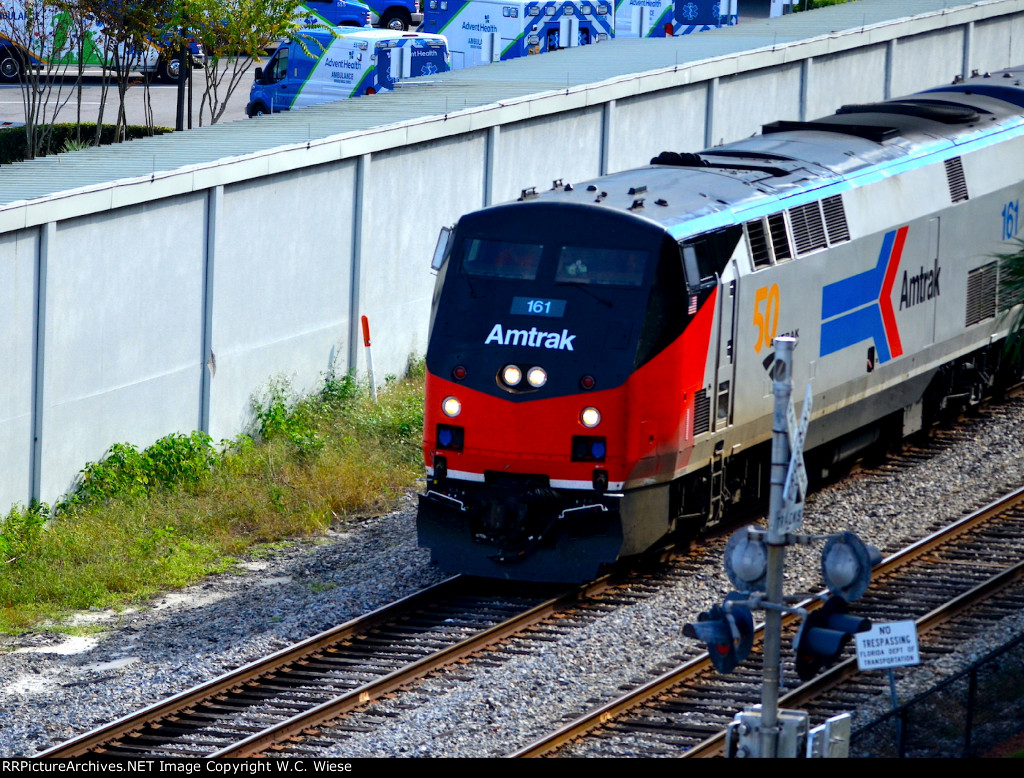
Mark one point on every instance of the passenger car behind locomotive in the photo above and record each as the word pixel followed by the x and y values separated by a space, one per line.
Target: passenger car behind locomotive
pixel 599 363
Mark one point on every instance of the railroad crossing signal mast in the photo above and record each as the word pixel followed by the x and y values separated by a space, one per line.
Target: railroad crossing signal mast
pixel 754 561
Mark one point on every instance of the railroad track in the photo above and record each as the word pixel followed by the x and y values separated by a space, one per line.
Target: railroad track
pixel 249 709
pixel 940 580
pixel 276 704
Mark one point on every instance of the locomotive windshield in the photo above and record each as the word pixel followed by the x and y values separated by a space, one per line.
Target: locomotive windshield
pixel 485 258
pixel 607 267
pixel 501 259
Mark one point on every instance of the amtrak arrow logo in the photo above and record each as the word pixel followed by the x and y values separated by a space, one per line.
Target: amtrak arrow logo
pixel 859 308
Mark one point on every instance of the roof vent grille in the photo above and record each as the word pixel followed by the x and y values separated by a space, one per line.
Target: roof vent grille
pixel 835 219
pixel 808 228
pixel 758 244
pixel 957 181
pixel 780 239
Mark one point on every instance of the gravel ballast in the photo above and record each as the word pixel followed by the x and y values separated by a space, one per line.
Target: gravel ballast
pixel 55 687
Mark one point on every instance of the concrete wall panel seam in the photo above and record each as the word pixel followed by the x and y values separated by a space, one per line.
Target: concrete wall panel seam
pixel 45 243
pixel 207 359
pixel 358 226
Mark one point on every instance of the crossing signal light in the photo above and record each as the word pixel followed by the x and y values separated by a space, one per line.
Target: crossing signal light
pixel 846 563
pixel 823 635
pixel 728 632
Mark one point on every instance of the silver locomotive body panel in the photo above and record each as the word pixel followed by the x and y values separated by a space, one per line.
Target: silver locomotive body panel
pixel 877 315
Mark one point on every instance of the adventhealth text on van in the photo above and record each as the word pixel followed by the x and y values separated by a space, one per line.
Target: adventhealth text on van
pixel 322 66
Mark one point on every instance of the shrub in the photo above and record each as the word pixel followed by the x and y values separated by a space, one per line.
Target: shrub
pixel 19 531
pixel 129 473
pixel 12 139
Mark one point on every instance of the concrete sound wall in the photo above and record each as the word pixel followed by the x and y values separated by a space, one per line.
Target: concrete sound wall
pixel 118 355
pixel 141 308
pixel 19 251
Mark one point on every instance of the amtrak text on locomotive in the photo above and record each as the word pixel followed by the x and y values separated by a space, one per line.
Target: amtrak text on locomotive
pixel 532 337
pixel 918 288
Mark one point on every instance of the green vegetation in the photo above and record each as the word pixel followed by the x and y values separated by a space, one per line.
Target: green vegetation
pixel 1011 292
pixel 65 137
pixel 142 521
pixel 234 35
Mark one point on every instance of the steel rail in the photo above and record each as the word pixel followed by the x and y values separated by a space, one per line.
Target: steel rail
pixel 302 722
pixel 234 678
pixel 712 746
pixel 254 744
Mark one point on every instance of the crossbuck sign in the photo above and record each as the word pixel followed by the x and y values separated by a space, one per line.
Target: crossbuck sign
pixel 791 516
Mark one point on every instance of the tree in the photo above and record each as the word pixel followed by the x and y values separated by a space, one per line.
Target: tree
pixel 42 41
pixel 129 29
pixel 1011 294
pixel 233 34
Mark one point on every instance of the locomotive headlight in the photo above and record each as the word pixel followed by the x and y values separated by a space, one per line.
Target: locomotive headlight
pixel 536 377
pixel 590 417
pixel 511 375
pixel 451 406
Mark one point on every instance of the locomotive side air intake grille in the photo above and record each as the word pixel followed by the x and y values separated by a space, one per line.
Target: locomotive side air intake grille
pixel 835 219
pixel 981 293
pixel 808 228
pixel 701 413
pixel 957 181
pixel 758 244
pixel 1008 296
pixel 780 240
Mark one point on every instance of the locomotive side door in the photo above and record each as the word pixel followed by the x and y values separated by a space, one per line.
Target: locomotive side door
pixel 725 368
pixel 934 238
pixel 708 262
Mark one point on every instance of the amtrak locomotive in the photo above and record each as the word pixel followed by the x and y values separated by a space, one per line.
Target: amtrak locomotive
pixel 599 370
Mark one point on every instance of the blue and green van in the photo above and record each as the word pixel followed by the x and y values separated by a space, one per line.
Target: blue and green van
pixel 322 66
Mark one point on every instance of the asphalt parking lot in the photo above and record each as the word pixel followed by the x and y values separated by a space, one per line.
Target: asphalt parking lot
pixel 162 98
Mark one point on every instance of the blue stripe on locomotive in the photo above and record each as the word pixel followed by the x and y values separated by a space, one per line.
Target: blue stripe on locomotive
pixel 861 289
pixel 853 306
pixel 856 327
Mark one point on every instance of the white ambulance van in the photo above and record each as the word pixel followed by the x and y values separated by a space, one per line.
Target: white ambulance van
pixel 322 66
pixel 668 18
pixel 483 31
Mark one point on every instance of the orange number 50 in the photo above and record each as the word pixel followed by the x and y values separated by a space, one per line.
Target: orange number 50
pixel 766 315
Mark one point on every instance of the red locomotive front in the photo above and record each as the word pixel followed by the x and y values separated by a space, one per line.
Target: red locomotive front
pixel 566 352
